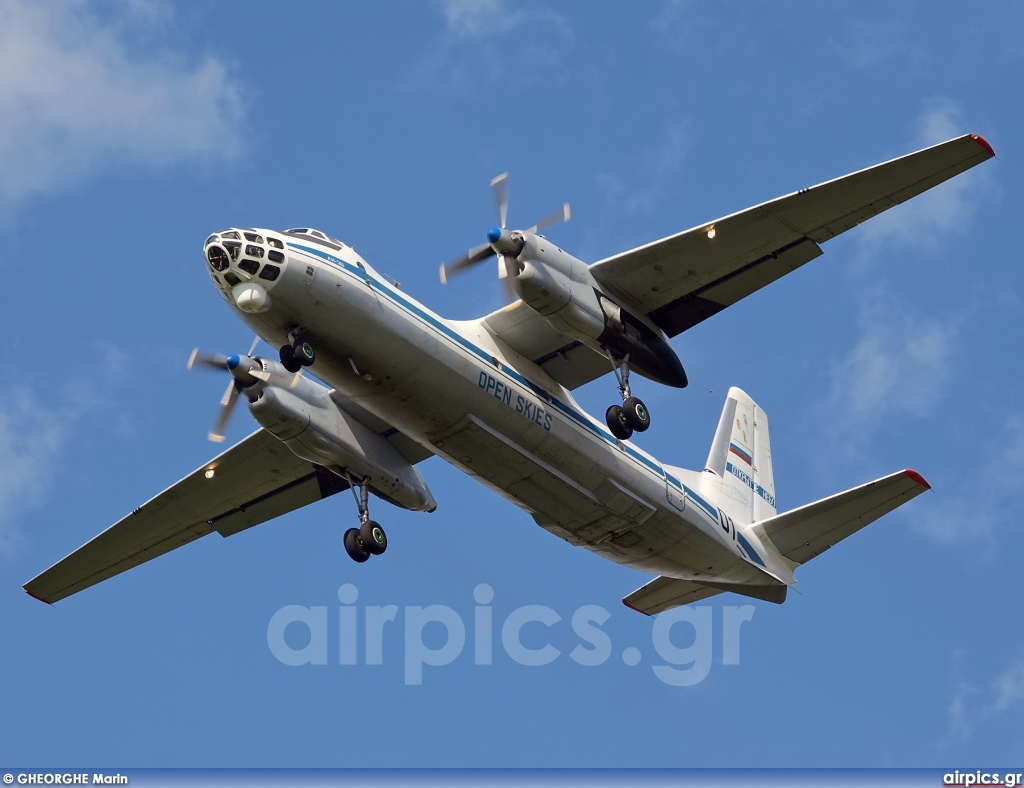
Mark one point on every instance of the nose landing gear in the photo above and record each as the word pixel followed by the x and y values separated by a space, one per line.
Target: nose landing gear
pixel 369 538
pixel 298 354
pixel 632 415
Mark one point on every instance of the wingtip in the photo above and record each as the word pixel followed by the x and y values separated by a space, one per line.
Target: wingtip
pixel 983 143
pixel 36 596
pixel 917 478
pixel 444 276
pixel 638 610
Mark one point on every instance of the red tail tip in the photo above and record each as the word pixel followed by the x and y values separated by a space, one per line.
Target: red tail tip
pixel 917 478
pixel 983 143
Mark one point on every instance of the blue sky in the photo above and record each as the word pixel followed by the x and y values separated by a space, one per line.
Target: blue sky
pixel 131 129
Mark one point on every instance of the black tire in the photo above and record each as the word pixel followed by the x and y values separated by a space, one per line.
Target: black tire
pixel 354 546
pixel 375 541
pixel 636 414
pixel 288 359
pixel 304 352
pixel 616 421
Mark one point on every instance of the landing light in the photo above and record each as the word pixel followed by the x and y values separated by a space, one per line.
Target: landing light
pixel 711 232
pixel 209 473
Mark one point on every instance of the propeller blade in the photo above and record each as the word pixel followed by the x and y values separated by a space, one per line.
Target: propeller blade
pixel 500 186
pixel 204 359
pixel 561 215
pixel 472 257
pixel 252 347
pixel 228 402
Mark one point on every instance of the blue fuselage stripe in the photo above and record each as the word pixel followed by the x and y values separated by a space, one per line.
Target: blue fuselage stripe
pixel 415 309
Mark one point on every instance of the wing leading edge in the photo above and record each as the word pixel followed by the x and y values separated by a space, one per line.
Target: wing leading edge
pixel 255 480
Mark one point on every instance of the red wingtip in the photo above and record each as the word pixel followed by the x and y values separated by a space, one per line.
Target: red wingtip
pixel 917 478
pixel 638 610
pixel 983 143
pixel 36 597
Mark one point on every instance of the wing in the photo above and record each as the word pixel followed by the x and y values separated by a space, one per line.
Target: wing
pixel 255 480
pixel 664 593
pixel 684 279
pixel 567 360
pixel 804 533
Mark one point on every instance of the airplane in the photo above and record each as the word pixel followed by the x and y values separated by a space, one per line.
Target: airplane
pixel 396 383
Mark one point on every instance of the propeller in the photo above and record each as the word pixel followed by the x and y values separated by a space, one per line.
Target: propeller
pixel 504 244
pixel 245 371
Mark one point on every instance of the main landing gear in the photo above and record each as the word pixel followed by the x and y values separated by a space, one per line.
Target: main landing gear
pixel 369 538
pixel 298 354
pixel 632 414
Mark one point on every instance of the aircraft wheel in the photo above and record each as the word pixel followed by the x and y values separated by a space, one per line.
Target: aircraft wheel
pixel 375 541
pixel 354 546
pixel 636 414
pixel 289 360
pixel 615 419
pixel 304 352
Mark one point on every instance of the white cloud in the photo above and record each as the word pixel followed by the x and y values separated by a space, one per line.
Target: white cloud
pixel 978 502
pixel 486 42
pixel 1009 687
pixel 651 172
pixel 879 43
pixel 35 432
pixel 681 24
pixel 30 439
pixel 75 92
pixel 974 706
pixel 944 211
pixel 898 365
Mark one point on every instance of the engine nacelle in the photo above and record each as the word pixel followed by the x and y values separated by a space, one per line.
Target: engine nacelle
pixel 561 288
pixel 316 429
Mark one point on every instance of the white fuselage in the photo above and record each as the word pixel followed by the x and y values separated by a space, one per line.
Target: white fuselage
pixel 453 388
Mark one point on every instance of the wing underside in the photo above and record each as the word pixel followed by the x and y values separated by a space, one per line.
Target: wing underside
pixel 255 480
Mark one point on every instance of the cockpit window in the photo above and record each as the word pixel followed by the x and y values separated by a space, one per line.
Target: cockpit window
pixel 233 248
pixel 275 242
pixel 217 258
pixel 253 237
pixel 249 266
pixel 275 256
pixel 231 279
pixel 210 240
pixel 270 272
pixel 316 235
pixel 232 235
pixel 254 251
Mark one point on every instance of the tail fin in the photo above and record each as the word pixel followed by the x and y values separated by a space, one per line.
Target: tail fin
pixel 741 456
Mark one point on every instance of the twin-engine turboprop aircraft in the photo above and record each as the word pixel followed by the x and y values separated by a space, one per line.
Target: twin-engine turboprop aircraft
pixel 492 396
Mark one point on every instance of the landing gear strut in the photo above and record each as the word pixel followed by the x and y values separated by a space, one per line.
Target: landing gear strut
pixel 298 354
pixel 632 414
pixel 369 538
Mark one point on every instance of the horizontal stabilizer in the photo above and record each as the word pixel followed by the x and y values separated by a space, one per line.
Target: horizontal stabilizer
pixel 664 593
pixel 801 534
